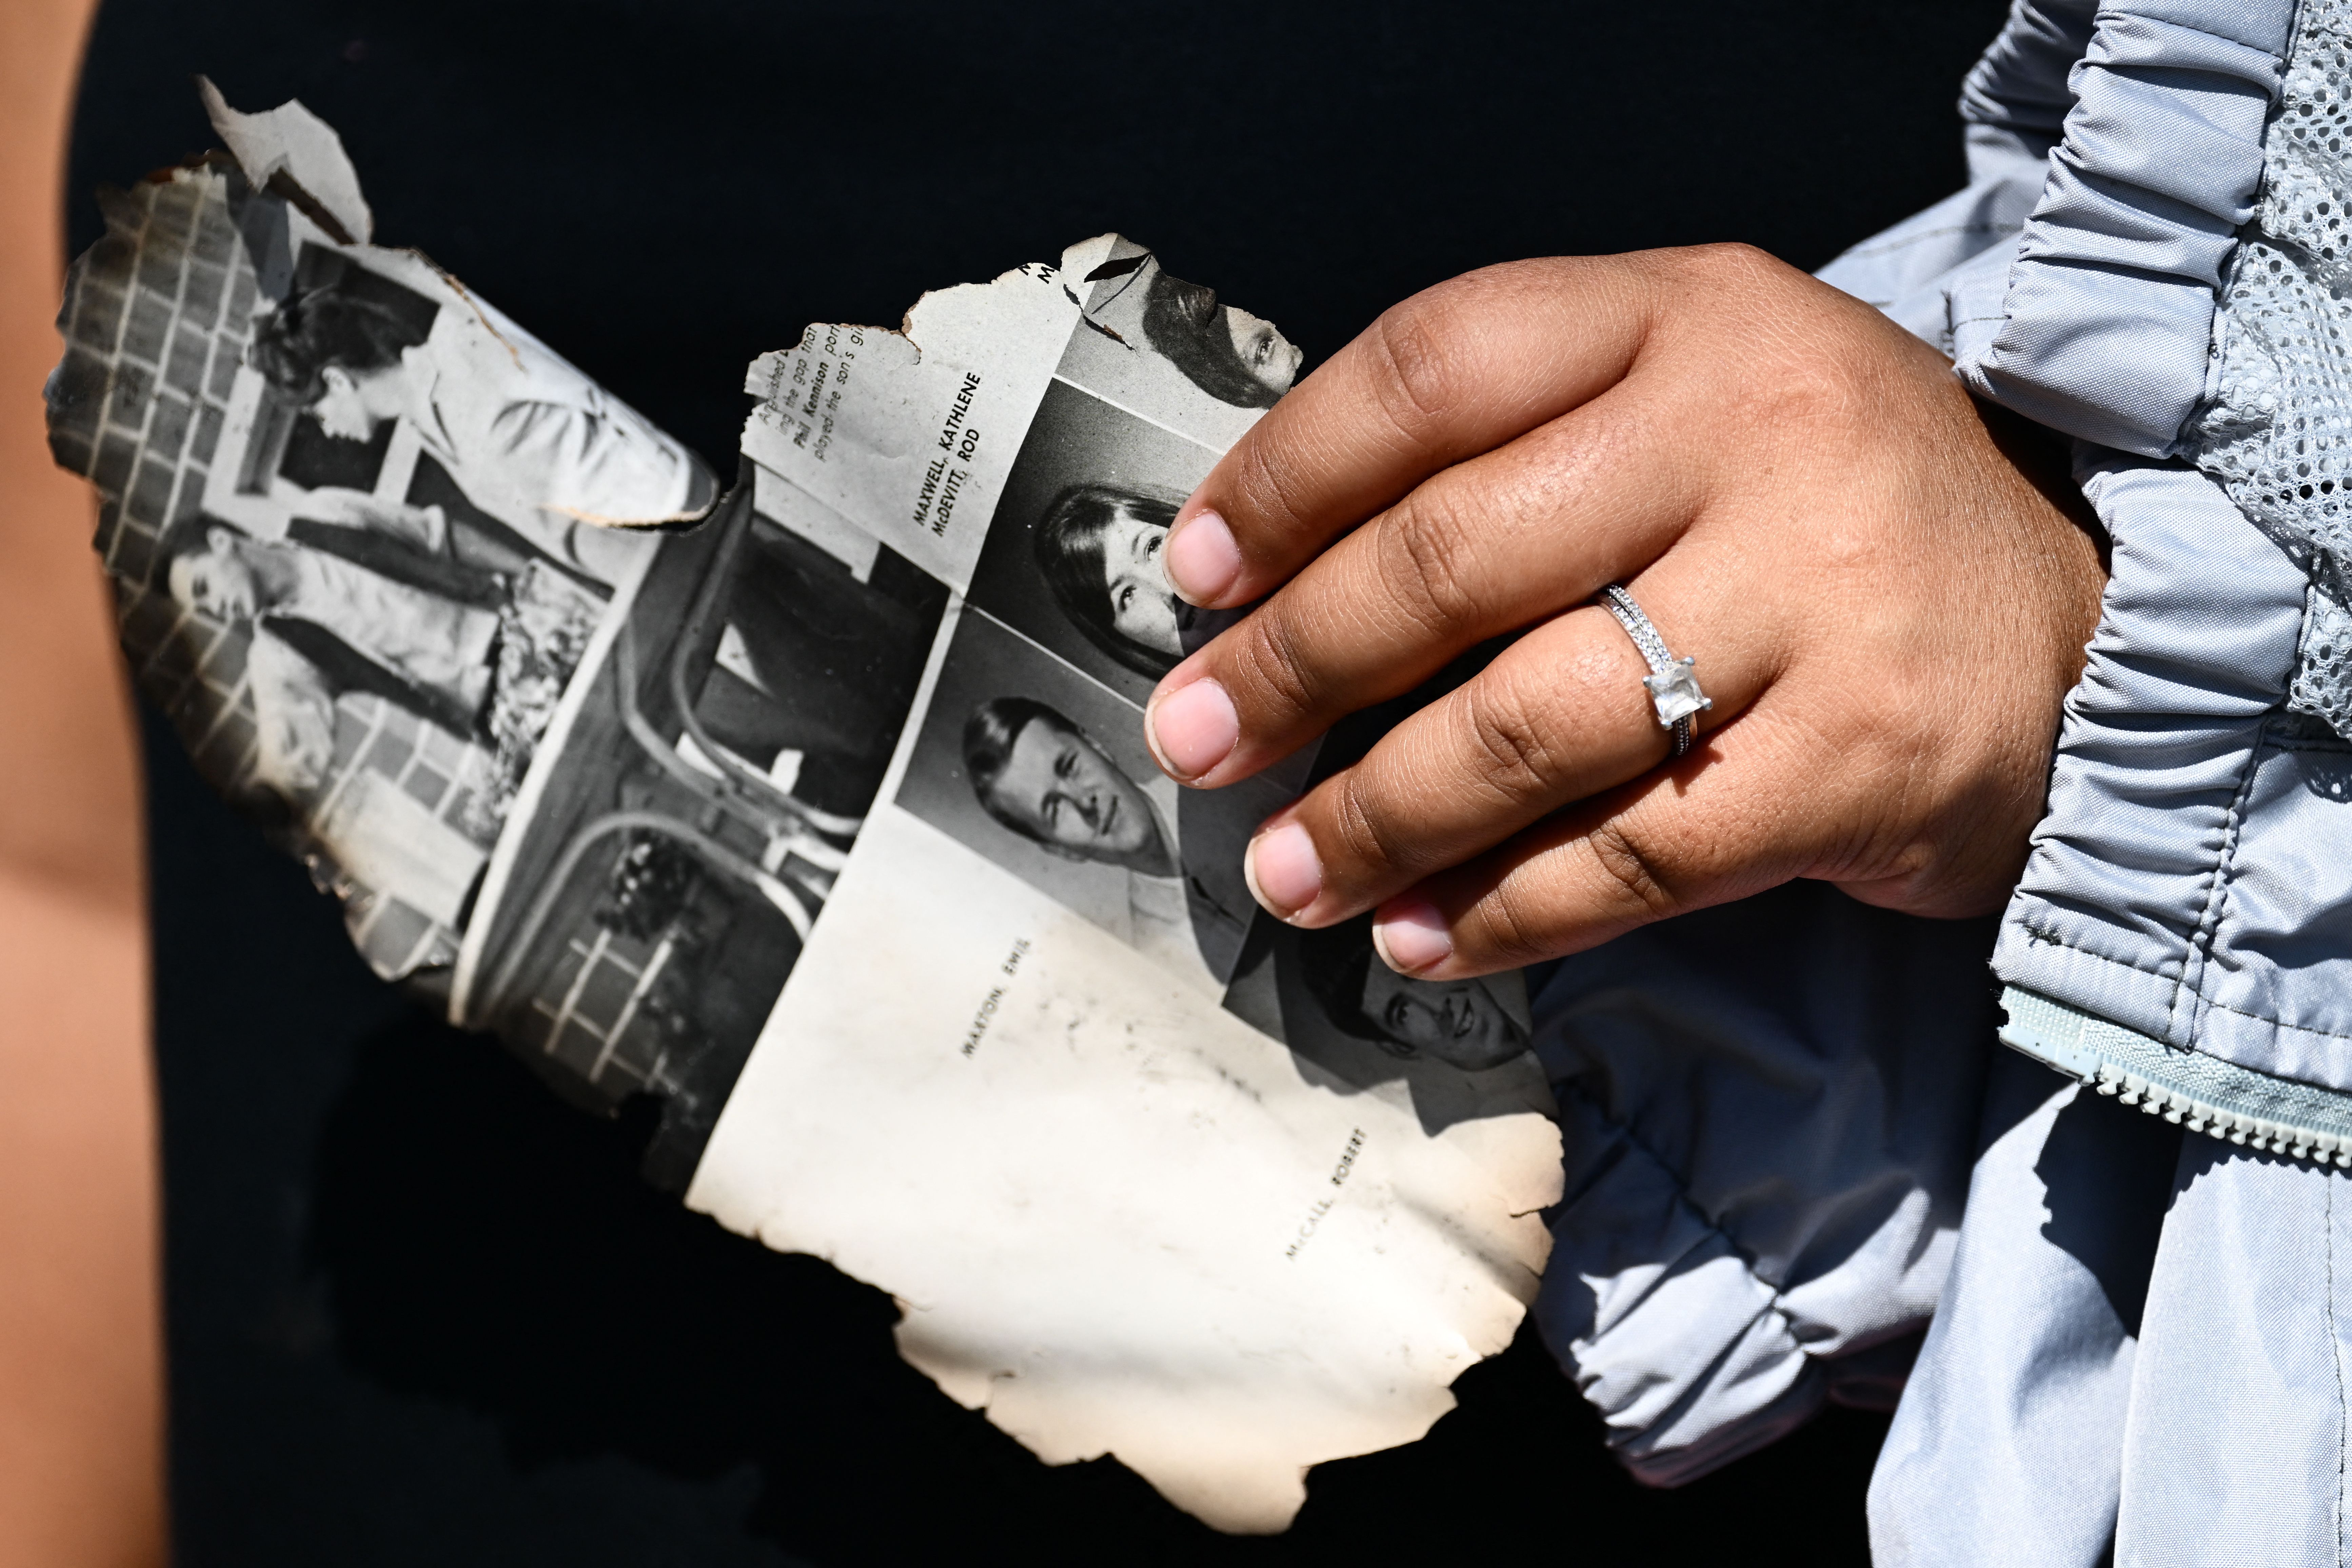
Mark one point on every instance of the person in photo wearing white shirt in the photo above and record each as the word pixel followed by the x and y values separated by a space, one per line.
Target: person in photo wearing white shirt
pixel 1043 777
pixel 524 434
pixel 430 650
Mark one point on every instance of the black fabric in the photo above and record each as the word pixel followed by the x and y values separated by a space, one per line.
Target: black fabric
pixel 398 560
pixel 840 661
pixel 346 668
pixel 422 1313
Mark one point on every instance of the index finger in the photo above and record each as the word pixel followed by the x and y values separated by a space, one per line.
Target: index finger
pixel 1454 371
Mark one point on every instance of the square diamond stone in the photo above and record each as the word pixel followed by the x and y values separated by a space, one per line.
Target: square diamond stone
pixel 1676 692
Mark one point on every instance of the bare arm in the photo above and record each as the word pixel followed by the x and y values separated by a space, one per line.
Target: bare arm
pixel 80 1343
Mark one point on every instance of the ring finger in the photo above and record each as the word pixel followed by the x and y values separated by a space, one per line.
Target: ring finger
pixel 1559 716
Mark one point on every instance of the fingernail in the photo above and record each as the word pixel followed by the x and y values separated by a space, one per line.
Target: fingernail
pixel 1412 937
pixel 1194 729
pixel 1284 872
pixel 1202 559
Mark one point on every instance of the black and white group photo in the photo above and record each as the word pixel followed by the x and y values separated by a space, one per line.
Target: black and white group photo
pixel 384 522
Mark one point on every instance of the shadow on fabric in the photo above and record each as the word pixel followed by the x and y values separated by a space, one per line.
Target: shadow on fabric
pixel 2107 1172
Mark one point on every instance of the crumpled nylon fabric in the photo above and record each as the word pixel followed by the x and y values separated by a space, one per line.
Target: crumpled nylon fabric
pixel 1768 1115
pixel 2107 316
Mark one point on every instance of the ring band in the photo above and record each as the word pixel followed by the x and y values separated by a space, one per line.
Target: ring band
pixel 1672 684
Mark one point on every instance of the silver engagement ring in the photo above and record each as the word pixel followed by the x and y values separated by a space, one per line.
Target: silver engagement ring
pixel 1672 686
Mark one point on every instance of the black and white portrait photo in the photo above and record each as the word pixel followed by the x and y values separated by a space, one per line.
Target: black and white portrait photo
pixel 394 567
pixel 1468 1024
pixel 1045 773
pixel 1326 995
pixel 1072 558
pixel 1173 351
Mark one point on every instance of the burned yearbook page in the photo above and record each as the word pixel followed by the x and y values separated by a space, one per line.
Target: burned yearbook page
pixel 1151 1173
pixel 820 810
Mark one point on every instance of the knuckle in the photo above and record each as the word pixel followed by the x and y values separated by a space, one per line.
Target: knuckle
pixel 1419 376
pixel 1270 487
pixel 1368 832
pixel 1739 258
pixel 1427 553
pixel 1729 265
pixel 1812 383
pixel 1640 884
pixel 1271 675
pixel 1516 752
pixel 1801 361
pixel 1510 927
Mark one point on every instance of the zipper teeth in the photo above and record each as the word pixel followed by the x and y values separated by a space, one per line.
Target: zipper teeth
pixel 2203 1116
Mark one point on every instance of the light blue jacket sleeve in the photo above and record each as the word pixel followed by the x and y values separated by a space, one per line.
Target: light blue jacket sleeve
pixel 1770 1109
pixel 2107 314
pixel 2183 934
pixel 2139 1353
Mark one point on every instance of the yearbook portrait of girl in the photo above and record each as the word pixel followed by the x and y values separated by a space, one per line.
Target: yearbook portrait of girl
pixel 1072 559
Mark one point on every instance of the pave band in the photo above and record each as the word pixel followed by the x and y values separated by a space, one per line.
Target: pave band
pixel 1672 683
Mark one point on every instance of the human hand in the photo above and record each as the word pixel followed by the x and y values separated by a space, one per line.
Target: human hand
pixel 1886 606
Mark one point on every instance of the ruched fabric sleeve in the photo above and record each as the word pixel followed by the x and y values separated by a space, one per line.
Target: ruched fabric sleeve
pixel 2105 326
pixel 2180 943
pixel 2138 1354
